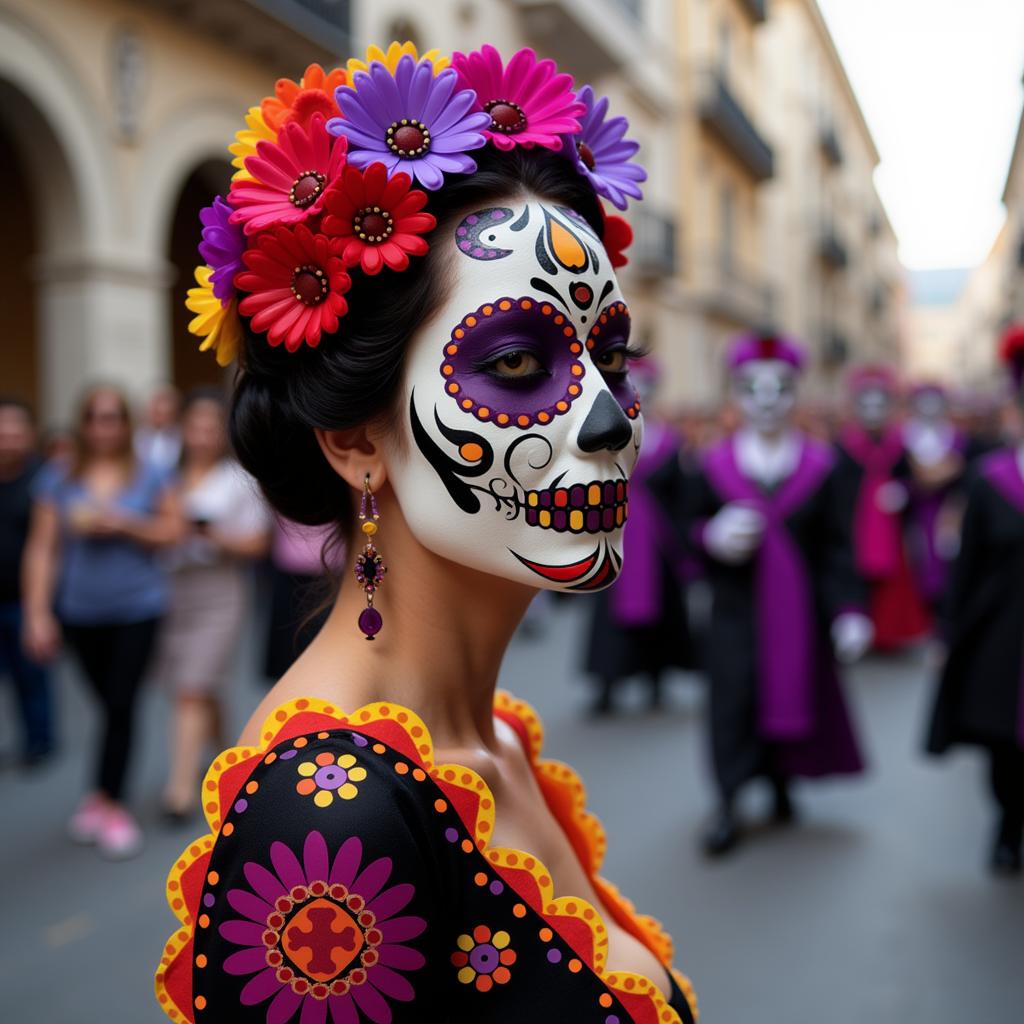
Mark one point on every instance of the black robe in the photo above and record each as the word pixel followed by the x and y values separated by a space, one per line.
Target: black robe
pixel 980 699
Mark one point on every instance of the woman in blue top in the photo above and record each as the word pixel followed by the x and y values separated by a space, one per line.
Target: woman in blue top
pixel 90 572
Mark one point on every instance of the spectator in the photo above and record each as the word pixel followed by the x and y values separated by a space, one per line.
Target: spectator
pixel 228 527
pixel 90 570
pixel 158 439
pixel 18 467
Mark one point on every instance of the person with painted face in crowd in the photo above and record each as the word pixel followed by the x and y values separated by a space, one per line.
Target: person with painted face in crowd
pixel 980 699
pixel 772 520
pixel 639 624
pixel 873 463
pixel 434 360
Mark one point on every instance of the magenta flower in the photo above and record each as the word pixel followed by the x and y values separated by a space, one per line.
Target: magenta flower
pixel 221 248
pixel 291 176
pixel 413 121
pixel 530 104
pixel 602 154
pixel 284 908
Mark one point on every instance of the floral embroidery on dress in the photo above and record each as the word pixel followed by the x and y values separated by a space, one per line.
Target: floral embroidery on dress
pixel 483 958
pixel 328 776
pixel 319 936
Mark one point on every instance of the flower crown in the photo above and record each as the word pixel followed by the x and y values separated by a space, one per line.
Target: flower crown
pixel 326 168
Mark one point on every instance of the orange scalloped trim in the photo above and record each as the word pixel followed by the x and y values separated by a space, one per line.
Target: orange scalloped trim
pixel 574 919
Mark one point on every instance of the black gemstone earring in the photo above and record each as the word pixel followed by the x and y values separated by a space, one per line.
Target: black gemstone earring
pixel 369 567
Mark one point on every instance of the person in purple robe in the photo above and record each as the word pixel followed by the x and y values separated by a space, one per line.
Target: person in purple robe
pixel 639 626
pixel 871 455
pixel 980 699
pixel 772 521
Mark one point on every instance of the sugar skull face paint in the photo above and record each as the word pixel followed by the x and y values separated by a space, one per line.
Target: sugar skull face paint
pixel 523 424
pixel 765 391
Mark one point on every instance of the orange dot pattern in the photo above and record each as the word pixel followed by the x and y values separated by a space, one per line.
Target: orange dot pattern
pixel 607 316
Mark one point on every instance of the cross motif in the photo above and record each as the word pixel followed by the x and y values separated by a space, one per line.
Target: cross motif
pixel 322 939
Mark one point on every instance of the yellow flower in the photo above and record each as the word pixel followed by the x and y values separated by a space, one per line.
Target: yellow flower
pixel 256 130
pixel 396 51
pixel 218 325
pixel 330 776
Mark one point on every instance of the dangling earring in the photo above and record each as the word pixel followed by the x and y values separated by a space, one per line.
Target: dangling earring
pixel 369 567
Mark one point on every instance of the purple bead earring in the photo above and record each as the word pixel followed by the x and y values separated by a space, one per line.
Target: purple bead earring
pixel 369 567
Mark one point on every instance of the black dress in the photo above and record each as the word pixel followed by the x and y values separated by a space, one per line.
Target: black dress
pixel 349 879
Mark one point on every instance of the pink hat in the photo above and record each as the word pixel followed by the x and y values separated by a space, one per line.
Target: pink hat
pixel 873 377
pixel 750 347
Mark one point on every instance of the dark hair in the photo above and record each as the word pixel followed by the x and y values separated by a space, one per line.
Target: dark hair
pixel 12 402
pixel 354 377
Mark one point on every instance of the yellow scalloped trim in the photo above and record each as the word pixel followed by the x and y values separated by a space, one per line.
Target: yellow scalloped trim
pixel 455 775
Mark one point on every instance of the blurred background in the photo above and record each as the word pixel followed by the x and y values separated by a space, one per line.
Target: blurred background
pixel 846 172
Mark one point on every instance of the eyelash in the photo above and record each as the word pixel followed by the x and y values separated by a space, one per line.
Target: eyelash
pixel 488 365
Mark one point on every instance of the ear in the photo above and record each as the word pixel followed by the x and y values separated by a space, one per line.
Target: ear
pixel 353 457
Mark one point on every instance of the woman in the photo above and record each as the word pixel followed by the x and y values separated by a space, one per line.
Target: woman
pixel 366 860
pixel 228 527
pixel 90 572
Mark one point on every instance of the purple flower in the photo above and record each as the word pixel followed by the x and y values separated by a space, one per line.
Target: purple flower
pixel 602 154
pixel 222 247
pixel 413 121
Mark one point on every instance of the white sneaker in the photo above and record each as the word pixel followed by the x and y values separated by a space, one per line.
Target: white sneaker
pixel 119 836
pixel 84 826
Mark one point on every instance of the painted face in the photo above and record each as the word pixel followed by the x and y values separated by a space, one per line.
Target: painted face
pixel 523 425
pixel 873 407
pixel 765 391
pixel 929 404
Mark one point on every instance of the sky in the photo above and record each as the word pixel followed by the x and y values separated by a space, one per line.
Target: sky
pixel 939 82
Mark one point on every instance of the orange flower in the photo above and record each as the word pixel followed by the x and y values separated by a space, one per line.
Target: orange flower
pixel 299 101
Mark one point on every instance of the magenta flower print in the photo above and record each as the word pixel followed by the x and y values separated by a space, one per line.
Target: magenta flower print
pixel 603 154
pixel 291 176
pixel 221 248
pixel 321 937
pixel 529 103
pixel 414 121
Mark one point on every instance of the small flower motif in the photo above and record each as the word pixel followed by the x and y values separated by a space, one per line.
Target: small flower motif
pixel 256 130
pixel 299 101
pixel 290 177
pixel 215 322
pixel 602 154
pixel 618 237
pixel 330 776
pixel 222 247
pixel 484 959
pixel 412 121
pixel 529 102
pixel 298 286
pixel 396 51
pixel 379 220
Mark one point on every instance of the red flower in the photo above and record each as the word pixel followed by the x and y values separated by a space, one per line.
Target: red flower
pixel 291 176
pixel 298 281
pixel 379 221
pixel 618 236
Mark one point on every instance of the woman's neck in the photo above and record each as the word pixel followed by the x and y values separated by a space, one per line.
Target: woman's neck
pixel 445 632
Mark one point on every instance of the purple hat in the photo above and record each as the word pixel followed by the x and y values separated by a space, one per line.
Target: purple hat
pixel 749 347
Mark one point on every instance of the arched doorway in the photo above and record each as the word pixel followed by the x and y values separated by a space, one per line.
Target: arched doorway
pixel 19 349
pixel 191 368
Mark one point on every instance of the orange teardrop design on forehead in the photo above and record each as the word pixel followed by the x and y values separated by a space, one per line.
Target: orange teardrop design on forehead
pixel 567 249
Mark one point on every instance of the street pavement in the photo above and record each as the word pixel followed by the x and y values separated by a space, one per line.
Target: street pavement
pixel 877 907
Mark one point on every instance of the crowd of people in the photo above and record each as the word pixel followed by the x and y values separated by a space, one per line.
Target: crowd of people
pixel 134 550
pixel 820 536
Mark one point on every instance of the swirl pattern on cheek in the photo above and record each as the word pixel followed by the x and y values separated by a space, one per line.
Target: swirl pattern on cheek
pixel 611 330
pixel 495 328
pixel 475 238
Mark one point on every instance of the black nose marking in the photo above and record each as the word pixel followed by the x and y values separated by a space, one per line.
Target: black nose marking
pixel 606 426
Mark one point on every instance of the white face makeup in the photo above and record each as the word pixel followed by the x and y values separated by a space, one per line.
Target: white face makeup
pixel 930 405
pixel 523 425
pixel 873 408
pixel 765 391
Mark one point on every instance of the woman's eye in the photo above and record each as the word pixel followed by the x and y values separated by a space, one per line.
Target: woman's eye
pixel 516 364
pixel 613 361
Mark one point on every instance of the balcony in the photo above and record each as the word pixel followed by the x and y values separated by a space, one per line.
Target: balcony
pixel 757 10
pixel 828 140
pixel 724 117
pixel 835 349
pixel 878 300
pixel 832 250
pixel 289 34
pixel 653 252
pixel 727 292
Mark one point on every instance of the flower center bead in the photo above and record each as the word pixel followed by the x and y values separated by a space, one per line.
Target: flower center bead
pixel 586 155
pixel 506 117
pixel 373 224
pixel 306 187
pixel 408 137
pixel 309 285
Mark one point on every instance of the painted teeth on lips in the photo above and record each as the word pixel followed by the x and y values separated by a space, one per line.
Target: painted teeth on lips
pixel 598 507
